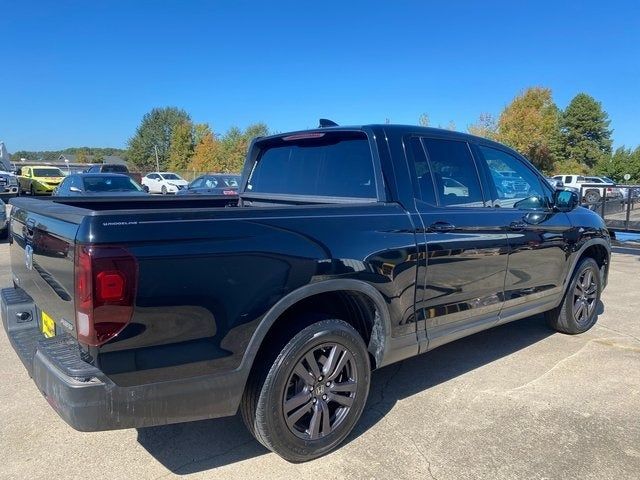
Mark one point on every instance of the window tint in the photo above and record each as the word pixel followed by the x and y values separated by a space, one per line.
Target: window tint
pixel 336 164
pixel 517 186
pixel 454 173
pixel 108 183
pixel 417 157
pixel 47 172
pixel 197 183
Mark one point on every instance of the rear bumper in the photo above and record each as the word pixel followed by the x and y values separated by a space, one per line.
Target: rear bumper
pixel 89 401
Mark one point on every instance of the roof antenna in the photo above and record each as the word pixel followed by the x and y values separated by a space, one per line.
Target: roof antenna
pixel 325 122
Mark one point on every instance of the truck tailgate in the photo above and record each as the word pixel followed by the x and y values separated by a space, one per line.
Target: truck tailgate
pixel 42 262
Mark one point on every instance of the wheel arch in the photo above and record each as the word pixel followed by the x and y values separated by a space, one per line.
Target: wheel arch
pixel 596 248
pixel 380 329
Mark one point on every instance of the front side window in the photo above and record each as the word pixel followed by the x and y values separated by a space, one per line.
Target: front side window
pixel 516 185
pixel 325 164
pixel 454 173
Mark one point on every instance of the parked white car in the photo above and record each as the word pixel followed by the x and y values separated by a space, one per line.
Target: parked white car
pixel 593 193
pixel 164 182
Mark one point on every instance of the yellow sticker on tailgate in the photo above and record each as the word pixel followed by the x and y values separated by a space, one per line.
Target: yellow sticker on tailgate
pixel 48 326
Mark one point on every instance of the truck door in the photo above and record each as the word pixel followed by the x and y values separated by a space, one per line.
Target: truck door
pixel 466 246
pixel 537 235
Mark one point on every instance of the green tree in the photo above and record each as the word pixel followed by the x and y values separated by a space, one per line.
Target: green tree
pixel 156 130
pixel 530 124
pixel 181 146
pixel 199 132
pixel 586 137
pixel 623 161
pixel 486 126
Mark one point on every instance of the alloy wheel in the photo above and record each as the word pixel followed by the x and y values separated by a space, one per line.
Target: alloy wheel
pixel 585 296
pixel 320 391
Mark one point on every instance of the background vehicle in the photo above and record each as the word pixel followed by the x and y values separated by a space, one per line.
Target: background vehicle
pixel 559 185
pixel 164 182
pixel 39 180
pixel 4 224
pixel 147 311
pixel 8 185
pixel 591 194
pixel 115 168
pixel 92 184
pixel 212 184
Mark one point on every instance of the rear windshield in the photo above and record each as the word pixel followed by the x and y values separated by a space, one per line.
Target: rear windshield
pixel 115 168
pixel 105 183
pixel 331 164
pixel 47 172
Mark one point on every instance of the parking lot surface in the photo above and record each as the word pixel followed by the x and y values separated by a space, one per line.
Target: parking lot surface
pixel 517 401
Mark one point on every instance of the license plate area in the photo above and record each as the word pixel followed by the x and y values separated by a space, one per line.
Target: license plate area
pixel 47 325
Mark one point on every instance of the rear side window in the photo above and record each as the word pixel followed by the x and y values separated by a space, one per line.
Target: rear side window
pixel 454 173
pixel 331 164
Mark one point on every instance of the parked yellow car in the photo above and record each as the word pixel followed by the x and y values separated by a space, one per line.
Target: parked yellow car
pixel 39 180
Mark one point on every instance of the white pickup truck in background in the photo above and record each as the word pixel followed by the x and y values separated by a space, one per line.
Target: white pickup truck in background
pixel 591 192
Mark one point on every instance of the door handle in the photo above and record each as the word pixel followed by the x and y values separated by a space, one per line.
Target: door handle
pixel 517 226
pixel 441 227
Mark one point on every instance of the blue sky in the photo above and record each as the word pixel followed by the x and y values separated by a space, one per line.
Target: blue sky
pixel 84 73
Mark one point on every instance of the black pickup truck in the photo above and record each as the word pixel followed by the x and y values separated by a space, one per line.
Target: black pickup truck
pixel 348 249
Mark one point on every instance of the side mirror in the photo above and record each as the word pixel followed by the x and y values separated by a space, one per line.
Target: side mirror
pixel 75 190
pixel 565 201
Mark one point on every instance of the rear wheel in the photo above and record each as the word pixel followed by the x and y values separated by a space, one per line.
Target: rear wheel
pixel 308 396
pixel 592 196
pixel 578 311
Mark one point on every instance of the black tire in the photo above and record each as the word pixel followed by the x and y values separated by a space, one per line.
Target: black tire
pixel 32 191
pixel 578 311
pixel 319 399
pixel 592 196
pixel 163 190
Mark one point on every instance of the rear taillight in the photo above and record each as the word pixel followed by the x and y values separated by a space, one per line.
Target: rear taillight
pixel 106 282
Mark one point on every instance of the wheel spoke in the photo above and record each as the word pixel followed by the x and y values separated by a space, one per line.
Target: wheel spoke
pixel 341 399
pixel 296 401
pixel 330 364
pixel 313 364
pixel 591 291
pixel 305 375
pixel 588 277
pixel 298 414
pixel 341 364
pixel 579 290
pixel 326 418
pixel 314 425
pixel 347 387
pixel 579 306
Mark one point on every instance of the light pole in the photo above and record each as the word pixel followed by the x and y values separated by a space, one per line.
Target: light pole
pixel 155 148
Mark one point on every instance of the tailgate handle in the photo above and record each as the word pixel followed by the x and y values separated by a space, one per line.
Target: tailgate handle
pixel 29 226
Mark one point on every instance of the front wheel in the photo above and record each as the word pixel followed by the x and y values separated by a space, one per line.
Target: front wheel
pixel 32 191
pixel 578 311
pixel 308 398
pixel 164 190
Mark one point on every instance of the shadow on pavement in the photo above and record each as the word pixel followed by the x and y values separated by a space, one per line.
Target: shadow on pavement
pixel 199 446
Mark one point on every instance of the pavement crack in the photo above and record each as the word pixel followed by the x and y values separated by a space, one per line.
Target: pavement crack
pixel 422 454
pixel 556 365
pixel 624 334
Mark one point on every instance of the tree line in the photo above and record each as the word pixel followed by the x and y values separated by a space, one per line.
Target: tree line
pixel 168 137
pixel 82 154
pixel 575 140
